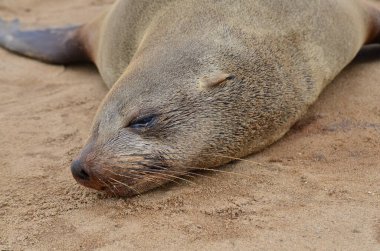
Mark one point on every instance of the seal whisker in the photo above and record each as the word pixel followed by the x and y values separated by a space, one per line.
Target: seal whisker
pixel 176 177
pixel 144 172
pixel 210 169
pixel 200 175
pixel 138 179
pixel 113 185
pixel 194 168
pixel 155 174
pixel 243 160
pixel 129 187
pixel 168 175
pixel 228 157
pixel 104 183
pixel 161 176
pixel 109 188
pixel 129 176
pixel 108 180
pixel 219 171
pixel 188 173
pixel 185 173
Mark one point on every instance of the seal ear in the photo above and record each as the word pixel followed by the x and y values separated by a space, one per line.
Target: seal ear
pixel 214 79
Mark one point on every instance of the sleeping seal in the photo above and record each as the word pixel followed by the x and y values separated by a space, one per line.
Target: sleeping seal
pixel 196 84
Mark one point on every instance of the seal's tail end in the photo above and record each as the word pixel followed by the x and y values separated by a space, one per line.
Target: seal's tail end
pixel 56 46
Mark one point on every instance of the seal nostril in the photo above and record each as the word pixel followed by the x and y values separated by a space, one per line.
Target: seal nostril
pixel 78 171
pixel 84 175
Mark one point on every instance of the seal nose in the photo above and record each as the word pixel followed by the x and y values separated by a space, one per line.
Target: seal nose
pixel 78 171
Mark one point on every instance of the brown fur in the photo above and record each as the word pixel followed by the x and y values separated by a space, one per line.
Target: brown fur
pixel 154 54
pixel 283 53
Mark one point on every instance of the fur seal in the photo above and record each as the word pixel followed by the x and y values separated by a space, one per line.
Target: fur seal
pixel 196 84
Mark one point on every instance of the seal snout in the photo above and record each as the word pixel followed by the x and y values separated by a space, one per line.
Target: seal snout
pixel 84 176
pixel 79 172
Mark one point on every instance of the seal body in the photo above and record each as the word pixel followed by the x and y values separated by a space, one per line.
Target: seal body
pixel 196 84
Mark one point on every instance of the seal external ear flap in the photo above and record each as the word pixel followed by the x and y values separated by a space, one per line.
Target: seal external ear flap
pixel 57 46
pixel 214 79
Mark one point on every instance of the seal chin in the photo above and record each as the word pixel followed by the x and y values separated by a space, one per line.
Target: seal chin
pixel 108 182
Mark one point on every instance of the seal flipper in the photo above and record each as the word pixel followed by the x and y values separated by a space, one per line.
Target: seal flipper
pixel 373 30
pixel 56 46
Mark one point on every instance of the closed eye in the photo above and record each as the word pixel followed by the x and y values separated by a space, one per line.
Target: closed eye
pixel 142 122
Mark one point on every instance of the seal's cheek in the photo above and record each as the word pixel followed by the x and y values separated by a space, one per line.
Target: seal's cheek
pixel 83 175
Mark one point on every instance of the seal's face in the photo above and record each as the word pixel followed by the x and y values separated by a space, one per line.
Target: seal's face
pixel 146 134
pixel 144 142
pixel 160 121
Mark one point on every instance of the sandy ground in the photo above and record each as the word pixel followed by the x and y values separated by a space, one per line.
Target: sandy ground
pixel 316 189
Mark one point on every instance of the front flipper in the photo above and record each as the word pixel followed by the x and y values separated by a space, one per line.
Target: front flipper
pixel 56 46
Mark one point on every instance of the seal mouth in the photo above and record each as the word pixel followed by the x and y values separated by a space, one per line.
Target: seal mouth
pixel 122 181
pixel 126 175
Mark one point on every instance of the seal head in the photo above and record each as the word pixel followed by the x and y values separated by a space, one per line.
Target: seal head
pixel 161 121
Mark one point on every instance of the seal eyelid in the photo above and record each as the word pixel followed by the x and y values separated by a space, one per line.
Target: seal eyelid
pixel 142 122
